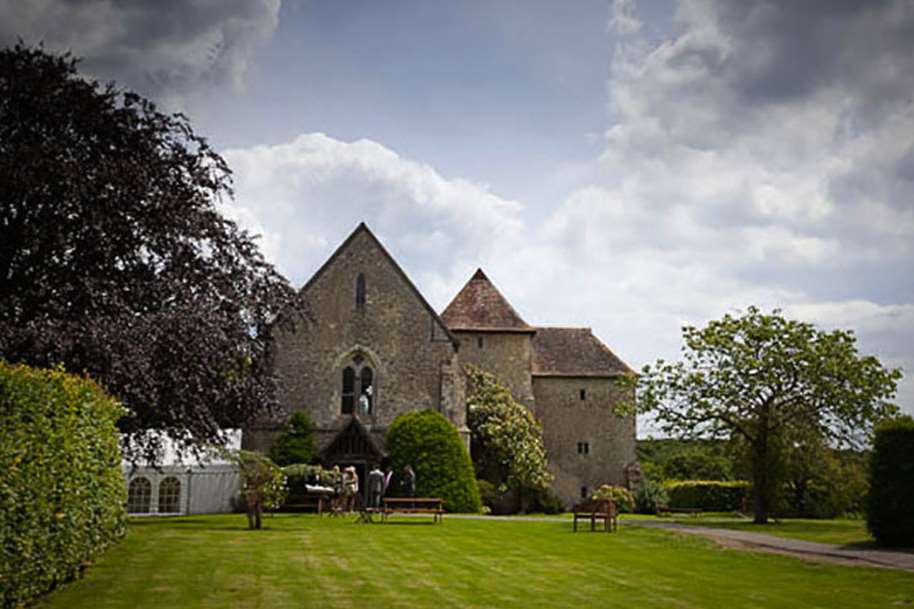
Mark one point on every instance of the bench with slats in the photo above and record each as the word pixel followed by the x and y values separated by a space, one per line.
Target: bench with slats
pixel 414 505
pixel 596 510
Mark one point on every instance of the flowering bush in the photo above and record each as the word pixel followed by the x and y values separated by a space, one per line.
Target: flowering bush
pixel 620 496
pixel 507 440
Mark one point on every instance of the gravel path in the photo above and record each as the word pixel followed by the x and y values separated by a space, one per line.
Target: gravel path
pixel 810 550
pixel 824 552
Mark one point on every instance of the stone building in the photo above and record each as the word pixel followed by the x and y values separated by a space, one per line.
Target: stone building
pixel 371 348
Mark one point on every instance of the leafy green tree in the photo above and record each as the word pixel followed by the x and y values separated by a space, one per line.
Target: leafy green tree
pixel 507 441
pixel 115 261
pixel 296 444
pixel 757 375
pixel 263 484
pixel 697 463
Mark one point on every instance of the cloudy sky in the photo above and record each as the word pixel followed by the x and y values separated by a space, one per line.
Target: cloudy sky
pixel 630 166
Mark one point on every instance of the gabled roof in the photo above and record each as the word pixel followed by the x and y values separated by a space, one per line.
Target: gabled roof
pixel 480 306
pixel 363 228
pixel 355 428
pixel 573 352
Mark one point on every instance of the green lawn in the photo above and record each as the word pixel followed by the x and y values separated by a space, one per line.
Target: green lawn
pixel 305 561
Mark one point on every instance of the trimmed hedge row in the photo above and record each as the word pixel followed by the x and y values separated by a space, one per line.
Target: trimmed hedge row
pixel 62 493
pixel 709 495
pixel 430 444
pixel 890 504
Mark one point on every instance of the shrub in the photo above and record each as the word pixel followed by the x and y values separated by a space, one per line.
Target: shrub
pixel 488 493
pixel 547 502
pixel 709 495
pixel 648 495
pixel 296 444
pixel 621 497
pixel 431 445
pixel 891 497
pixel 62 492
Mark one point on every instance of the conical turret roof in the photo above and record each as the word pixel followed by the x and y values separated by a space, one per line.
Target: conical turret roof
pixel 480 306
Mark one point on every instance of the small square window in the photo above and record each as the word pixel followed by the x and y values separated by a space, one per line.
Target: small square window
pixel 583 492
pixel 479 342
pixel 583 394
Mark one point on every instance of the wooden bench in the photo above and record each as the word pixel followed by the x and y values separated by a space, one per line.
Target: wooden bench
pixel 664 510
pixel 594 510
pixel 413 505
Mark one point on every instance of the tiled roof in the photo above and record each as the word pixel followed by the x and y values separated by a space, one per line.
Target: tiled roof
pixel 480 306
pixel 573 352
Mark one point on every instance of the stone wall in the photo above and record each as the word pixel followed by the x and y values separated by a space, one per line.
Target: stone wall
pixel 568 420
pixel 410 352
pixel 507 355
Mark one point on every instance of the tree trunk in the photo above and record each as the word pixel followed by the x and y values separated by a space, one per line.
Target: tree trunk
pixel 760 478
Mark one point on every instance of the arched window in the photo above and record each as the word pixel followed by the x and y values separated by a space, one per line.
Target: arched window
pixel 359 393
pixel 360 291
pixel 348 389
pixel 170 496
pixel 139 496
pixel 366 397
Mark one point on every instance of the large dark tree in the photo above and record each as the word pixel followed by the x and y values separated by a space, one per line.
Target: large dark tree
pixel 115 261
pixel 759 378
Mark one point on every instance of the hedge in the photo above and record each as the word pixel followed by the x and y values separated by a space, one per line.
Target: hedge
pixel 62 493
pixel 890 504
pixel 709 495
pixel 430 444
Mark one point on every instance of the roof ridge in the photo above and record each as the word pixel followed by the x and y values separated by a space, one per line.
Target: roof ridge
pixel 363 228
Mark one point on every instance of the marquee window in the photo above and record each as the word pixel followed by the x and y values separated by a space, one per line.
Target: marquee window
pixel 170 495
pixel 139 496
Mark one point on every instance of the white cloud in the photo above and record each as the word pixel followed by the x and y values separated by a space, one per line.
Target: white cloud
pixel 162 49
pixel 730 177
pixel 623 19
pixel 736 173
pixel 306 195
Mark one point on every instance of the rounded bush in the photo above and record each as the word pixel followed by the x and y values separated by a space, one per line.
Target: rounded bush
pixel 891 498
pixel 62 492
pixel 621 496
pixel 430 444
pixel 708 495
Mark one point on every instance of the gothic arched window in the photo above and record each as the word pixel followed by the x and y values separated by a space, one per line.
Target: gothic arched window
pixel 348 390
pixel 360 290
pixel 358 387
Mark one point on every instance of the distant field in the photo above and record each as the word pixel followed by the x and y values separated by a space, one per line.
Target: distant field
pixel 306 561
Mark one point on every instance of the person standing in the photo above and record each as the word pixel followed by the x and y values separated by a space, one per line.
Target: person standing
pixel 409 481
pixel 350 488
pixel 375 487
